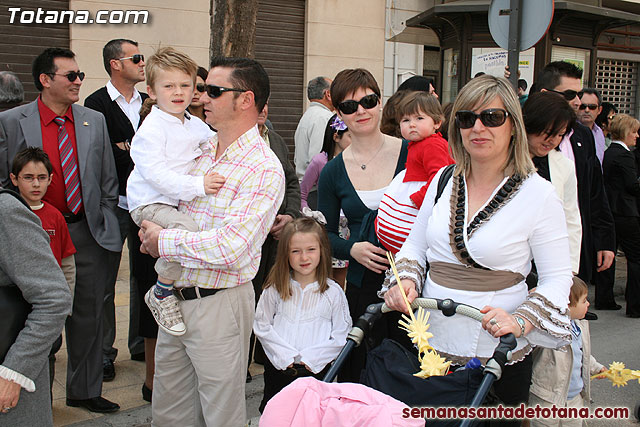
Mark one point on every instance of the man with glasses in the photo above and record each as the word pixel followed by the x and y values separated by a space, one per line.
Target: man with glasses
pixel 598 232
pixel 590 107
pixel 119 101
pixel 84 188
pixel 200 376
pixel 309 134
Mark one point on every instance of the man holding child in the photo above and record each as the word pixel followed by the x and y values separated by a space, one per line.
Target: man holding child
pixel 219 261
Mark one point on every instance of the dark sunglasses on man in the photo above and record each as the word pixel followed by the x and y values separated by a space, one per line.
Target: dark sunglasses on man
pixel 71 75
pixel 134 58
pixel 569 94
pixel 367 102
pixel 491 118
pixel 216 91
pixel 593 107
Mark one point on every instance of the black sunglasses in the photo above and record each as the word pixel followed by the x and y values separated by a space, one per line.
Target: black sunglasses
pixel 491 118
pixel 201 87
pixel 71 75
pixel 367 102
pixel 569 94
pixel 593 107
pixel 134 58
pixel 216 91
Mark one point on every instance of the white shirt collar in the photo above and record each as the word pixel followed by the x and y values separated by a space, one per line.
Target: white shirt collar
pixel 318 104
pixel 621 143
pixel 170 117
pixel 115 93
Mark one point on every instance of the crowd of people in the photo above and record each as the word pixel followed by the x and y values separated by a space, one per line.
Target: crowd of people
pixel 237 254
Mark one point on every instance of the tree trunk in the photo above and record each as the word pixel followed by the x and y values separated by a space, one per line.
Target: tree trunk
pixel 233 28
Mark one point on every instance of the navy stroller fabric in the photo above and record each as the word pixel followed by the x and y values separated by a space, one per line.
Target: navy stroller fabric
pixel 390 368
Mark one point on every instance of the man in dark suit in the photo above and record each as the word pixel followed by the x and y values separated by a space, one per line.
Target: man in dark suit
pixel 623 189
pixel 84 188
pixel 119 101
pixel 598 232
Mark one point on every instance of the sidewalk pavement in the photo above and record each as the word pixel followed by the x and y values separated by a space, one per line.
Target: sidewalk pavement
pixel 125 389
pixel 614 337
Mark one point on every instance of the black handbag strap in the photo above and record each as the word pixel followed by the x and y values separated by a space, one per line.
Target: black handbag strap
pixel 444 180
pixel 16 195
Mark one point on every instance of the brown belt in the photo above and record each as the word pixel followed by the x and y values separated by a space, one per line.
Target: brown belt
pixel 457 276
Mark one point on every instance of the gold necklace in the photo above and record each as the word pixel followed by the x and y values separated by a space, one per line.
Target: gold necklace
pixel 363 166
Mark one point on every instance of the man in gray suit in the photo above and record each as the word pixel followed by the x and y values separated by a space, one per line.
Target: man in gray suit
pixel 85 189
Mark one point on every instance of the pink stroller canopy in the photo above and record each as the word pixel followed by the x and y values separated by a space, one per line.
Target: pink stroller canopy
pixel 314 403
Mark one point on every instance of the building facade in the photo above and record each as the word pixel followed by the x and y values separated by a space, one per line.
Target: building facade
pixel 297 40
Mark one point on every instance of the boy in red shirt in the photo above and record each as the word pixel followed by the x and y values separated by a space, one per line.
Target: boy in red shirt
pixel 31 172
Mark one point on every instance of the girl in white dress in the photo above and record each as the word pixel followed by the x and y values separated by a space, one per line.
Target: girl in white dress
pixel 302 318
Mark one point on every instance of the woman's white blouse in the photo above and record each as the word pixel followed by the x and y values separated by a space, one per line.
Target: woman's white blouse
pixel 531 225
pixel 309 327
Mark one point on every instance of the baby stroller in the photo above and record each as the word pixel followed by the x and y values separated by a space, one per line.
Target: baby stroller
pixel 468 387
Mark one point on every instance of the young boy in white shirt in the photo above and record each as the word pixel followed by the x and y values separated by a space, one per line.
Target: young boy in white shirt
pixel 164 150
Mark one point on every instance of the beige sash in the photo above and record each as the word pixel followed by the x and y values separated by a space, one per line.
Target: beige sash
pixel 456 276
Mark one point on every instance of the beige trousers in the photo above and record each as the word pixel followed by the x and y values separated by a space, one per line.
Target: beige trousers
pixel 576 402
pixel 166 216
pixel 200 376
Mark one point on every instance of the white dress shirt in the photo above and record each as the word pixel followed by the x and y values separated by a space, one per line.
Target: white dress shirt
pixel 132 108
pixel 164 150
pixel 309 327
pixel 309 136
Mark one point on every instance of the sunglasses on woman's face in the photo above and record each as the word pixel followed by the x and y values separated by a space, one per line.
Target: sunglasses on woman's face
pixel 200 87
pixel 491 118
pixel 134 58
pixel 569 94
pixel 71 75
pixel 216 91
pixel 367 102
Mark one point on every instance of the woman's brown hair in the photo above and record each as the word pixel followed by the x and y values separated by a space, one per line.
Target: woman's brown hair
pixel 349 81
pixel 280 274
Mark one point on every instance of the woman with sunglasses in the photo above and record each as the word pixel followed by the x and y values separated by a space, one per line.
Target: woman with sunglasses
pixel 548 118
pixel 196 108
pixel 494 216
pixel 354 182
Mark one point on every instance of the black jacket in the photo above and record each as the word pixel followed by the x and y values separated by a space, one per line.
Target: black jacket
pixel 621 180
pixel 598 230
pixel 120 130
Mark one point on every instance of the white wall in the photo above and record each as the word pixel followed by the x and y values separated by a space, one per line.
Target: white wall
pixel 183 25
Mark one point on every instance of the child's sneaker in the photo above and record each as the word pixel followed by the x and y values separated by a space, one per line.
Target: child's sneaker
pixel 166 313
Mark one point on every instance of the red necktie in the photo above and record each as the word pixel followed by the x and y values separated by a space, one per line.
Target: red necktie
pixel 69 163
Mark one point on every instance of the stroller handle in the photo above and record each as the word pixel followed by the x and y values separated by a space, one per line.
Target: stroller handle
pixel 448 307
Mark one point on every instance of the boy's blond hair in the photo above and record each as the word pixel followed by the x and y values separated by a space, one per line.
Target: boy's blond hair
pixel 167 58
pixel 578 289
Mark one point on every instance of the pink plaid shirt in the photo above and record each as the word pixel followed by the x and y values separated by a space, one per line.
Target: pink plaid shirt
pixel 235 222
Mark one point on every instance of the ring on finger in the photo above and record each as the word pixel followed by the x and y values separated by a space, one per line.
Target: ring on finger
pixel 493 321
